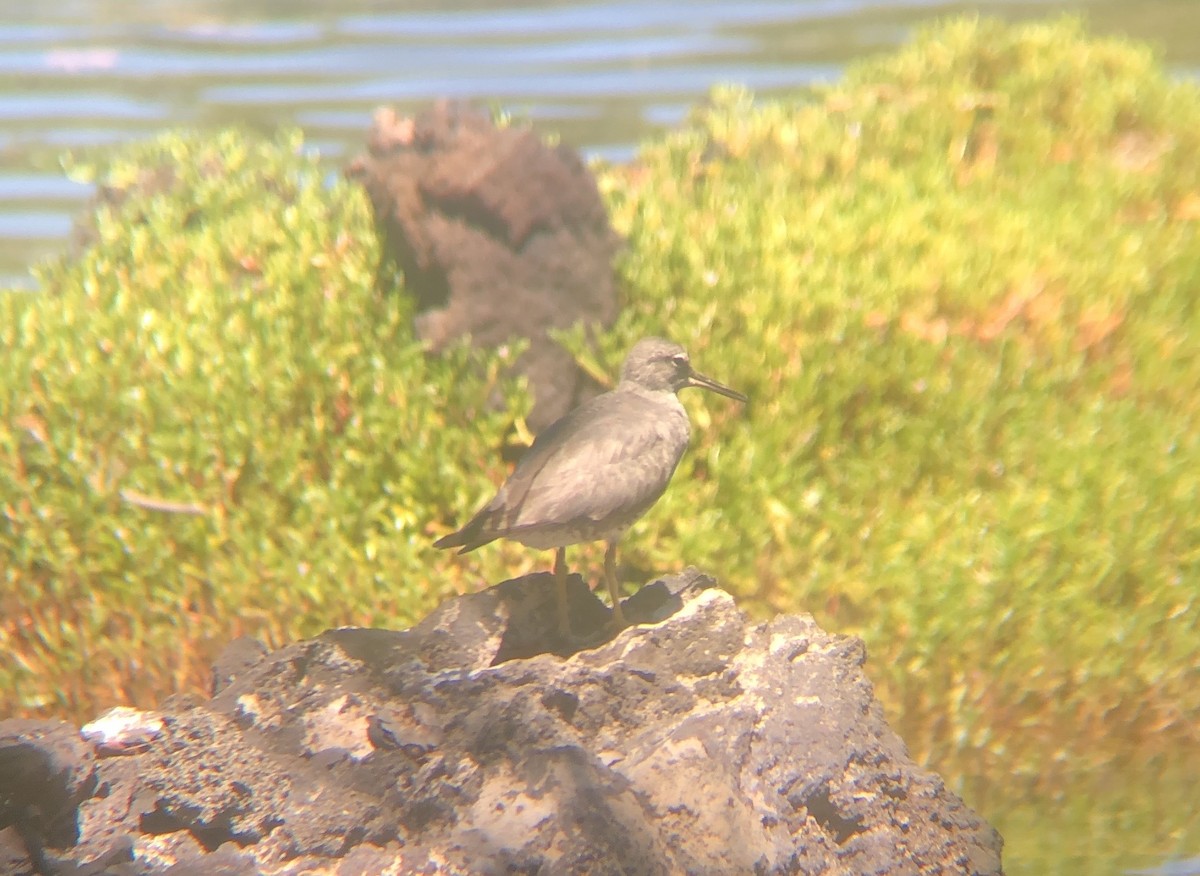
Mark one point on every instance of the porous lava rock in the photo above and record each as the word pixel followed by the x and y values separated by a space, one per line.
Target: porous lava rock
pixel 694 742
pixel 498 236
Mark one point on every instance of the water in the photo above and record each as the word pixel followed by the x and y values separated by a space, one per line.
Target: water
pixel 603 75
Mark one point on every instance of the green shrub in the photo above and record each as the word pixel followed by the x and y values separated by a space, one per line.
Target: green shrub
pixel 214 426
pixel 960 288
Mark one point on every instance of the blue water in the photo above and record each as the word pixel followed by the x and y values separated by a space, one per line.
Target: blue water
pixel 602 75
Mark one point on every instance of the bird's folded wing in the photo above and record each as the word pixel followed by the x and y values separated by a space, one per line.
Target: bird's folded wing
pixel 598 462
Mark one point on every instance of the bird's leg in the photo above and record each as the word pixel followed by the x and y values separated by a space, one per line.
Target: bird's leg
pixel 610 576
pixel 560 583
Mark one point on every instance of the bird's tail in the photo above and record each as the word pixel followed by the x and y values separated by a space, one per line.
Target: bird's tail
pixel 454 539
pixel 466 539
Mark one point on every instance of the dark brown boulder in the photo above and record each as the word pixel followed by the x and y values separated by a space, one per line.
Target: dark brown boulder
pixel 498 236
pixel 699 744
pixel 46 771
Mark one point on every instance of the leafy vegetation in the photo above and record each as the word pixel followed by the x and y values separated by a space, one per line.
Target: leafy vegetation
pixel 214 427
pixel 960 287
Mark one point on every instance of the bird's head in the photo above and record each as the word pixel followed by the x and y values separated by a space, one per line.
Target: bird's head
pixel 662 366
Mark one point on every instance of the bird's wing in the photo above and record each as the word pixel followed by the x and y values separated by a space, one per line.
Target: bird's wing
pixel 615 453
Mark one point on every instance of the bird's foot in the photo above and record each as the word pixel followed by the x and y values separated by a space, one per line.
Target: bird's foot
pixel 618 621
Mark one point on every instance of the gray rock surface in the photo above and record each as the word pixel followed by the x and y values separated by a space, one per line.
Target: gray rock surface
pixel 498 236
pixel 694 743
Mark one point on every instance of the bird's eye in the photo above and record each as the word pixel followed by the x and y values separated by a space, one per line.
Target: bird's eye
pixel 680 362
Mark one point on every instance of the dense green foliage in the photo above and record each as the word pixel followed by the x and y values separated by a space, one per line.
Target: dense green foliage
pixel 214 426
pixel 960 287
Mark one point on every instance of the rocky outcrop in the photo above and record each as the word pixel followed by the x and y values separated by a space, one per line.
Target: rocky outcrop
pixel 694 742
pixel 498 236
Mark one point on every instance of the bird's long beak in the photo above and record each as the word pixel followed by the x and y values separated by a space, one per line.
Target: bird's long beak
pixel 698 379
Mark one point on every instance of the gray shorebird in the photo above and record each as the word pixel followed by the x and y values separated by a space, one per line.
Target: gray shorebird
pixel 592 473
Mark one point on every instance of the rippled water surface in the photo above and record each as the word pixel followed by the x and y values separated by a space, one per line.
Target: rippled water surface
pixel 603 74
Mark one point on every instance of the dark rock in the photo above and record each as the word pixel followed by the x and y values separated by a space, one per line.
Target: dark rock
pixel 498 236
pixel 701 744
pixel 239 655
pixel 46 771
pixel 14 853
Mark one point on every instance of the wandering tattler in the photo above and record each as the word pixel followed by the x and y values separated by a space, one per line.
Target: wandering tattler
pixel 592 473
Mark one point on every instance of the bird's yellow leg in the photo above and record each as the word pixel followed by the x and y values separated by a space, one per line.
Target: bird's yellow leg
pixel 560 585
pixel 610 576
